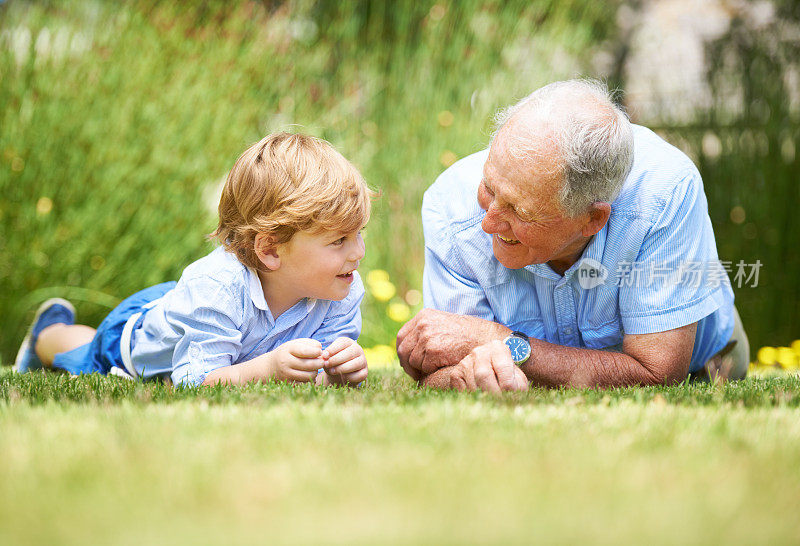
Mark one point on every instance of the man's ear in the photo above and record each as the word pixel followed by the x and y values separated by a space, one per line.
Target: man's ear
pixel 599 213
pixel 267 251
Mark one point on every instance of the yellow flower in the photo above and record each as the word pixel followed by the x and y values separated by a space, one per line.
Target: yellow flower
pixel 382 290
pixel 369 128
pixel 43 206
pixel 767 355
pixel 445 118
pixel 796 346
pixel 447 158
pixel 377 275
pixel 380 356
pixel 437 12
pixel 379 285
pixel 413 297
pixel 757 369
pixel 738 215
pixel 786 357
pixel 398 311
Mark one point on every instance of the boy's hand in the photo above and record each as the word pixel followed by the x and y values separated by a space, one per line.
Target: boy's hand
pixel 345 363
pixel 296 360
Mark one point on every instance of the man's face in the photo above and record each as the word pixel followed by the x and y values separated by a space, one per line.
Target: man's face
pixel 523 213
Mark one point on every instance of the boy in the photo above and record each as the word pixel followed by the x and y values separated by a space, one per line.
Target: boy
pixel 280 299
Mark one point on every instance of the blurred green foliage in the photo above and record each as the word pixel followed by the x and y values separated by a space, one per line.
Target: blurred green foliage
pixel 118 120
pixel 746 146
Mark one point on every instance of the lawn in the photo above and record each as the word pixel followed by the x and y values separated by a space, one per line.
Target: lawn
pixel 117 122
pixel 102 460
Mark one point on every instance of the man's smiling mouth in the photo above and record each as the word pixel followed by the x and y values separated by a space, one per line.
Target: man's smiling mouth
pixel 507 241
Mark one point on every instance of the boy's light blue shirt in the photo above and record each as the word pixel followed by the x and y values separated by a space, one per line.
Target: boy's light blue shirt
pixel 659 227
pixel 217 316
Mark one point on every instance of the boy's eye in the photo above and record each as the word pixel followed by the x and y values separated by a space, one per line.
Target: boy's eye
pixel 338 241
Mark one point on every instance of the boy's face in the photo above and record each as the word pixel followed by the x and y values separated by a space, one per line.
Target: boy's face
pixel 320 265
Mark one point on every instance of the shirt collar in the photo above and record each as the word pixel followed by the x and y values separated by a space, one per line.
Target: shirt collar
pixel 256 291
pixel 591 258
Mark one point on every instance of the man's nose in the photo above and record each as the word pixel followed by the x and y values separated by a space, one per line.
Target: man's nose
pixel 493 221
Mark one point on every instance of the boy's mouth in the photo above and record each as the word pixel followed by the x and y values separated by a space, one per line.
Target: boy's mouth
pixel 346 276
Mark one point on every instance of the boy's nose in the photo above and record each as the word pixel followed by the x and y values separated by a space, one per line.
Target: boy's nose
pixel 358 251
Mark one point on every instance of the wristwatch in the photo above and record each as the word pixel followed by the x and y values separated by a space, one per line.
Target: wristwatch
pixel 519 346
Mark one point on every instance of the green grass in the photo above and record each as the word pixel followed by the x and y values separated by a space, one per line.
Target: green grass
pixel 106 157
pixel 102 460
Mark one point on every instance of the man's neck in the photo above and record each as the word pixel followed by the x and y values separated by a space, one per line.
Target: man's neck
pixel 560 265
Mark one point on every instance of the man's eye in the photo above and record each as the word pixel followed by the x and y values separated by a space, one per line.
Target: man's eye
pixel 524 216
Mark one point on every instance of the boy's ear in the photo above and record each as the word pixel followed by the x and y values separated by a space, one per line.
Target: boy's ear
pixel 267 251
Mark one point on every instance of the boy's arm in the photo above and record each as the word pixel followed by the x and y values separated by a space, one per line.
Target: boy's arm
pixel 206 315
pixel 259 368
pixel 211 340
pixel 296 360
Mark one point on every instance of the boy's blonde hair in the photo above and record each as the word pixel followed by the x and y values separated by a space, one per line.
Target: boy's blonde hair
pixel 288 183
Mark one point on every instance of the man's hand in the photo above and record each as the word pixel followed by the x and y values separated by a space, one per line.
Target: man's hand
pixel 296 360
pixel 488 367
pixel 435 339
pixel 345 362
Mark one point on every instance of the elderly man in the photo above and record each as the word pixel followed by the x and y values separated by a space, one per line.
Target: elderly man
pixel 577 250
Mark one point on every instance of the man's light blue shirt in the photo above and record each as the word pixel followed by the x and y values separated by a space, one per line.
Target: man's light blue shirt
pixel 217 316
pixel 653 267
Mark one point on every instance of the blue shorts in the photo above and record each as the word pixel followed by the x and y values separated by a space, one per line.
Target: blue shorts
pixel 103 352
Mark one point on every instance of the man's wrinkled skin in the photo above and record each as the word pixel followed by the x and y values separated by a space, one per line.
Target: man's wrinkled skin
pixel 435 339
pixel 487 368
pixel 446 350
pixel 648 359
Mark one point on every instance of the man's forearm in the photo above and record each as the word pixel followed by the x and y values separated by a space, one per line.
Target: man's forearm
pixel 553 365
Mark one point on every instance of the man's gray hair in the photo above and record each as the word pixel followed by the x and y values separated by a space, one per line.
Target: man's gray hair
pixel 591 133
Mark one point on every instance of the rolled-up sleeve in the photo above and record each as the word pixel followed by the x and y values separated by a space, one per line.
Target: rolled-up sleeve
pixel 344 317
pixel 446 290
pixel 670 287
pixel 446 285
pixel 207 318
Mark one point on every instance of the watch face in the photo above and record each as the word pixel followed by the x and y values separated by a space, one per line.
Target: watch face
pixel 520 348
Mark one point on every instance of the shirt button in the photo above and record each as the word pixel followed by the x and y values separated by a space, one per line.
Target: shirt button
pixel 568 331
